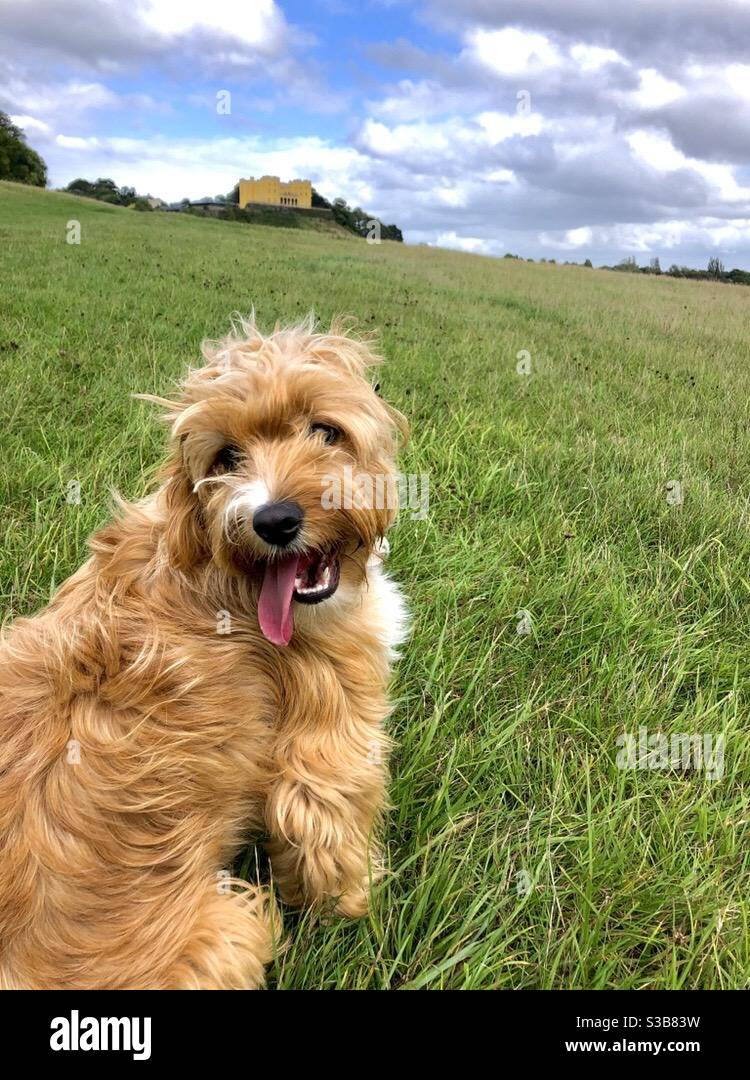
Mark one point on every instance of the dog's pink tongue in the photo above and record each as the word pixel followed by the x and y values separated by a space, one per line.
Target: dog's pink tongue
pixel 275 604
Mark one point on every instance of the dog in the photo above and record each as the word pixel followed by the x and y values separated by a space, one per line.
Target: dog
pixel 216 670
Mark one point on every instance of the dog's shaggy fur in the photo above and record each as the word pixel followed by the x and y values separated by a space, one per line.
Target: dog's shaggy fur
pixel 141 743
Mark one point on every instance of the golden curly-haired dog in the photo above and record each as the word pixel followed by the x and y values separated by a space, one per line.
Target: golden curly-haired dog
pixel 218 667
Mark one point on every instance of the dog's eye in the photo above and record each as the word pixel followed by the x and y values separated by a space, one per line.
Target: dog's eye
pixel 330 434
pixel 227 460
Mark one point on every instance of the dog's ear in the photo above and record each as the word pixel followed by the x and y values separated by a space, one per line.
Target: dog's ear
pixel 183 533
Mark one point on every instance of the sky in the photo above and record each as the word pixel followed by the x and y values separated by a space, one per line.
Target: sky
pixel 566 129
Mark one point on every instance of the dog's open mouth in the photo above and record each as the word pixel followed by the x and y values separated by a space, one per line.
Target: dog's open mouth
pixel 308 579
pixel 317 577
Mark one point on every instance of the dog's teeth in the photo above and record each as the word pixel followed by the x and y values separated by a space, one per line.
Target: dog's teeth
pixel 321 584
pixel 307 590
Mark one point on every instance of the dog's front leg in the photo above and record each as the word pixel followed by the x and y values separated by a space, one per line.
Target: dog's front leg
pixel 323 813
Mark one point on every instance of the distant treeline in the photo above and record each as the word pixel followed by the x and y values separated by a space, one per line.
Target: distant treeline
pixel 106 190
pixel 714 271
pixel 354 219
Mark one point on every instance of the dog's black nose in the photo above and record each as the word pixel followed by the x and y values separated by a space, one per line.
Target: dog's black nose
pixel 278 523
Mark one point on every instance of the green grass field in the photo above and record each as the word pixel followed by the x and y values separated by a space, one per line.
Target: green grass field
pixel 521 855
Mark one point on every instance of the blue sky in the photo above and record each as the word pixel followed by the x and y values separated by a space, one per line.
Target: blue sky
pixel 557 128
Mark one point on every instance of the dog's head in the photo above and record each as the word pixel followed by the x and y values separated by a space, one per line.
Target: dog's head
pixel 282 466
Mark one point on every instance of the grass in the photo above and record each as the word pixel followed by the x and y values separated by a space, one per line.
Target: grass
pixel 520 854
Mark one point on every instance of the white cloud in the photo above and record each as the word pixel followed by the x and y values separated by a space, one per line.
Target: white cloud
pixel 593 57
pixel 511 51
pixel 30 124
pixel 257 23
pixel 568 240
pixel 474 244
pixel 75 142
pixel 381 139
pixel 655 90
pixel 441 138
pixel 500 176
pixel 658 152
pixel 723 180
pixel 69 101
pixel 705 235
pixel 737 77
pixel 453 196
pixel 60 57
pixel 410 100
pixel 499 126
pixel 578 237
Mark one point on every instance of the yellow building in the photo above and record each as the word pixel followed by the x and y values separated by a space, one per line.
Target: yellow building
pixel 273 192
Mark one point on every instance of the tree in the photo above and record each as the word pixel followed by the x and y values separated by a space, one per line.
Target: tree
pixel 588 262
pixel 355 220
pixel 655 266
pixel 715 268
pixel 392 232
pixel 17 160
pixel 105 190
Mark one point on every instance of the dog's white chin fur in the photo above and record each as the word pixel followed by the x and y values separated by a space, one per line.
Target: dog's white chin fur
pixel 379 597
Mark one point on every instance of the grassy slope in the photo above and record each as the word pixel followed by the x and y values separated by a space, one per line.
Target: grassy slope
pixel 298 219
pixel 547 493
